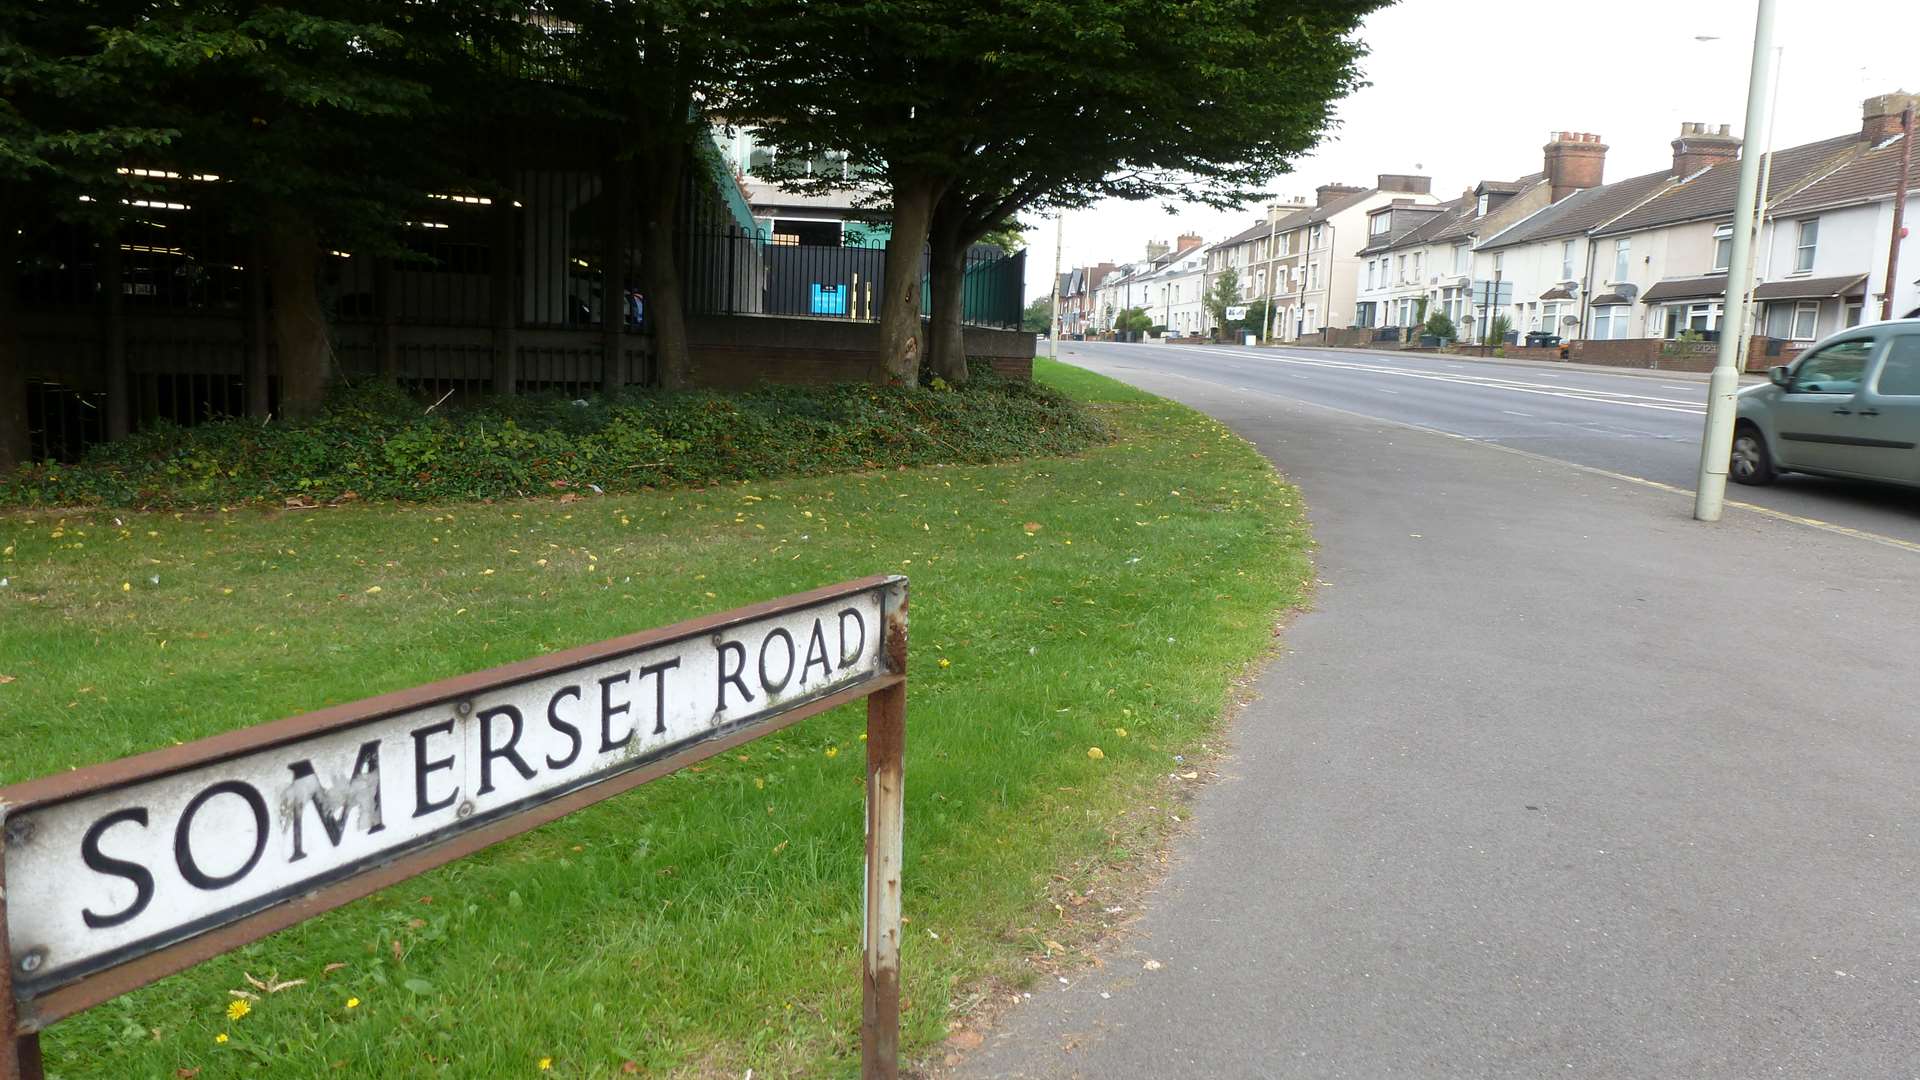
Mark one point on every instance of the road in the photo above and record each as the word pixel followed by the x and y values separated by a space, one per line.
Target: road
pixel 1643 425
pixel 1551 780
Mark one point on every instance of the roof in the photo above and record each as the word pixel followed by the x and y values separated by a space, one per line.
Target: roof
pixel 1710 193
pixel 1687 288
pixel 1868 178
pixel 1588 208
pixel 1606 299
pixel 1558 292
pixel 1393 237
pixel 1812 288
pixel 1253 232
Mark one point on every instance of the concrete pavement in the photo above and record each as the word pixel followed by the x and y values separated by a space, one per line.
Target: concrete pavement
pixel 1551 781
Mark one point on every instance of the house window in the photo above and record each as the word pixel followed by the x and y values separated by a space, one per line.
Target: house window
pixel 1372 273
pixel 1622 254
pixel 1566 260
pixel 1416 265
pixel 1803 251
pixel 1499 259
pixel 1480 208
pixel 1722 248
pixel 1313 237
pixel 1550 318
pixel 1610 322
pixel 1401 270
pixel 1311 320
pixel 1459 258
pixel 1853 313
pixel 1313 275
pixel 1700 317
pixel 1806 320
pixel 1377 224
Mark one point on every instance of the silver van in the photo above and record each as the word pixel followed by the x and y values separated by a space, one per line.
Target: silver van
pixel 1849 406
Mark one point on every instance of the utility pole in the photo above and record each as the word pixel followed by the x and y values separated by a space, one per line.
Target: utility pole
pixel 1053 338
pixel 1759 220
pixel 1716 443
pixel 1899 208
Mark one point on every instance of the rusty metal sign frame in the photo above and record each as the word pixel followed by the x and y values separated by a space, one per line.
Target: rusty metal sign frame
pixel 885 691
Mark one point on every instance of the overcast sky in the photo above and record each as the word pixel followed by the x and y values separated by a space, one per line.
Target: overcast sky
pixel 1466 92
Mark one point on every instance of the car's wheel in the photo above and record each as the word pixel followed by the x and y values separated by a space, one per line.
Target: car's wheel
pixel 1750 464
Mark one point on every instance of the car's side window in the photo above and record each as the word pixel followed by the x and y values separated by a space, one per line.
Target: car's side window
pixel 1900 372
pixel 1836 369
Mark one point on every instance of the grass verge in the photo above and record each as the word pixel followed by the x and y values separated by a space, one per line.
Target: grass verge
pixel 707 923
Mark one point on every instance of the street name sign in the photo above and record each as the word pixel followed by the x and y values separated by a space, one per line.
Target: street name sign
pixel 115 875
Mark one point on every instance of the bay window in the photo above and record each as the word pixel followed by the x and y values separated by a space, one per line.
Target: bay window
pixel 1610 322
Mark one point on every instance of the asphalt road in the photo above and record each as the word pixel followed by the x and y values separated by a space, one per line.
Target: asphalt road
pixel 1645 424
pixel 1552 780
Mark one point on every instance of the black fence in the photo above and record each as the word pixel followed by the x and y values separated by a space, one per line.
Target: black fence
pixel 734 272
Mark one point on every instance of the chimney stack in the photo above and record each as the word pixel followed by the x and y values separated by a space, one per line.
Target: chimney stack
pixel 1155 249
pixel 1185 243
pixel 1880 116
pixel 1413 185
pixel 1327 193
pixel 1699 147
pixel 1574 160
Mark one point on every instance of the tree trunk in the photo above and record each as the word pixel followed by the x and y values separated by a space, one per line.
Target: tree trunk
pixel 947 278
pixel 13 377
pixel 657 186
pixel 901 348
pixel 299 326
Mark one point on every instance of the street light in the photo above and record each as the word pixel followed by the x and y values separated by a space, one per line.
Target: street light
pixel 1716 444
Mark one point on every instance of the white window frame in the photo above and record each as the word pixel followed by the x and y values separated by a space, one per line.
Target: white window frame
pixel 1417 260
pixel 1566 260
pixel 1622 258
pixel 1610 322
pixel 1313 238
pixel 1380 223
pixel 1722 248
pixel 1480 207
pixel 1400 270
pixel 1459 258
pixel 1811 310
pixel 1806 245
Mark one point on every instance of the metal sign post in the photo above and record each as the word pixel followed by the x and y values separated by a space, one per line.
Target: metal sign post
pixel 122 873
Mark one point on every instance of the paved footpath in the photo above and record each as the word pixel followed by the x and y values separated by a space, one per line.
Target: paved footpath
pixel 1552 781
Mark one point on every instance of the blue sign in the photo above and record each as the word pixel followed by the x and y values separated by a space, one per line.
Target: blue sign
pixel 829 299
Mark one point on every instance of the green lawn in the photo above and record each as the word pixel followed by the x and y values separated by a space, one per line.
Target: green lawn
pixel 707 923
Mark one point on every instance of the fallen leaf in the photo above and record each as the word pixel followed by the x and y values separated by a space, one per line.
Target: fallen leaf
pixel 965 1039
pixel 1151 965
pixel 1054 945
pixel 5 679
pixel 333 967
pixel 186 1074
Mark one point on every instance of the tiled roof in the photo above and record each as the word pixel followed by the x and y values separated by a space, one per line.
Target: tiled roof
pixel 1558 292
pixel 1812 288
pixel 1687 288
pixel 1585 209
pixel 1711 192
pixel 1607 299
pixel 1870 177
pixel 1254 232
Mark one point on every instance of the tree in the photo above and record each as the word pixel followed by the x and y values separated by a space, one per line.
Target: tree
pixel 1223 294
pixel 61 135
pixel 1128 113
pixel 658 73
pixel 1440 326
pixel 1134 321
pixel 1037 316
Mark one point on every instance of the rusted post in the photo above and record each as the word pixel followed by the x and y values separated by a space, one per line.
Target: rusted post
pixel 886 806
pixel 19 1054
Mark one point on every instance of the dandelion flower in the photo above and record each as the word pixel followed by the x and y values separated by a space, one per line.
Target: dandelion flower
pixel 220 1038
pixel 545 1064
pixel 833 751
pixel 945 663
pixel 238 1008
pixel 353 1003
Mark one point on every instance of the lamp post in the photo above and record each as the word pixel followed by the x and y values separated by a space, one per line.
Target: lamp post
pixel 1716 443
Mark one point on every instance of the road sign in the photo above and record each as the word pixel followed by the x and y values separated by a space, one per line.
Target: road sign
pixel 120 873
pixel 1485 288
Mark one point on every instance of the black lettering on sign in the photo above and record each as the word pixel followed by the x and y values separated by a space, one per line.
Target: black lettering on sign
pixel 103 863
pixel 847 657
pixel 183 835
pixel 739 654
pixel 659 670
pixel 786 671
pixel 488 752
pixel 817 653
pixel 572 733
pixel 362 793
pixel 422 806
pixel 608 710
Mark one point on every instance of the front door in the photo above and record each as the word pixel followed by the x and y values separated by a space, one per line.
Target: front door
pixel 1815 418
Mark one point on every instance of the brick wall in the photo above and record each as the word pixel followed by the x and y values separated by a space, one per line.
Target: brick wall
pixel 1762 353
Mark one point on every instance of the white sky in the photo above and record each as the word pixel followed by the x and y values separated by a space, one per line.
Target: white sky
pixel 1471 92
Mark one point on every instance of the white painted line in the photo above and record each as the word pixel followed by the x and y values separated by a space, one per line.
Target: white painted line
pixel 1384 390
pixel 1671 386
pixel 1510 412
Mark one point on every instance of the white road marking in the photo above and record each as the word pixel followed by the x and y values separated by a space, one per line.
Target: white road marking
pixel 1671 386
pixel 1510 412
pixel 1384 390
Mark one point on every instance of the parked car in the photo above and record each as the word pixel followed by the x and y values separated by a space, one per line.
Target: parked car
pixel 1849 406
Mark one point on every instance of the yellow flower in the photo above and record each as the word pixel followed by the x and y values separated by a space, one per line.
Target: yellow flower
pixel 238 1008
pixel 126 586
pixel 220 1038
pixel 944 662
pixel 353 1003
pixel 1096 753
pixel 545 1064
pixel 1120 731
pixel 833 751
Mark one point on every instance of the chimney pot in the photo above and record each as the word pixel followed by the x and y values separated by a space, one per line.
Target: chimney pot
pixel 1880 116
pixel 1574 161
